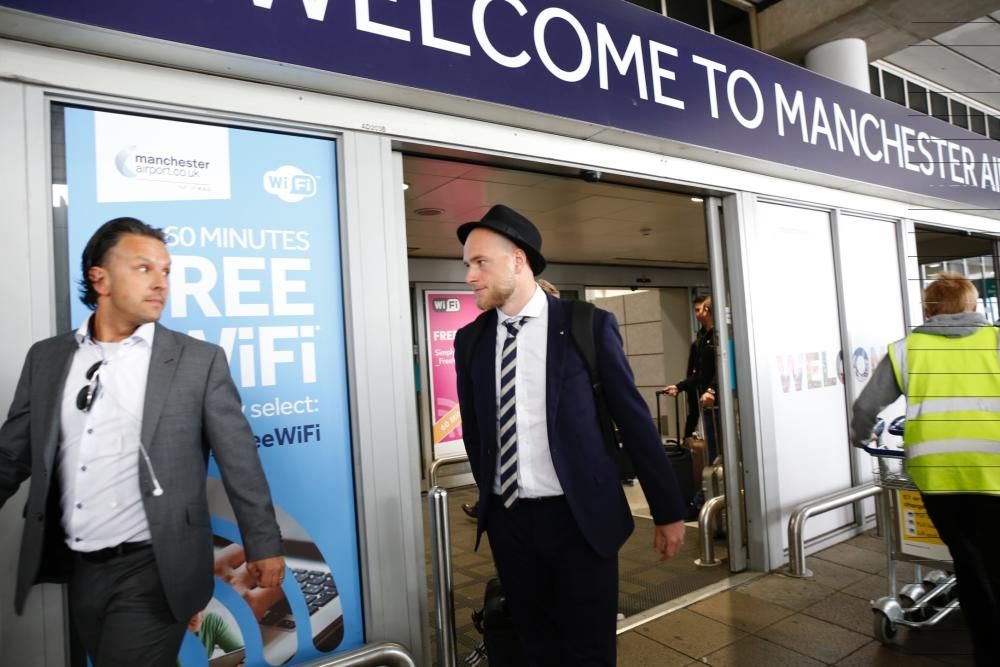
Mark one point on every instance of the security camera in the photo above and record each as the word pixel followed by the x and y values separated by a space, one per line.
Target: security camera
pixel 590 175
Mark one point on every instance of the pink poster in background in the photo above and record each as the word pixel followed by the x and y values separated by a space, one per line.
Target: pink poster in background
pixel 447 312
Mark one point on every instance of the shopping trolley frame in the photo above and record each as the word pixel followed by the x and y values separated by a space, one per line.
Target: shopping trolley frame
pixel 932 596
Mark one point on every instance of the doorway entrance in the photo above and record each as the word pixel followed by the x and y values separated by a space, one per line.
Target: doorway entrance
pixel 635 247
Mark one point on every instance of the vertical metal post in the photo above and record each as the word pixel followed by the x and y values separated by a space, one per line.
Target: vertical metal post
pixel 444 601
pixel 727 441
pixel 856 456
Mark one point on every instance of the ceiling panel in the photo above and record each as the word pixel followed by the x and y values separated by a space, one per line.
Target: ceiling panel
pixel 510 176
pixel 580 222
pixel 421 165
pixel 420 184
pixel 459 196
pixel 964 59
pixel 590 207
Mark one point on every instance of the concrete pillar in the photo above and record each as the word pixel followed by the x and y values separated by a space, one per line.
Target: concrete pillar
pixel 844 60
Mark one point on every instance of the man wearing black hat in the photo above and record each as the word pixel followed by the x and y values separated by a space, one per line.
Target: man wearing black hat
pixel 549 495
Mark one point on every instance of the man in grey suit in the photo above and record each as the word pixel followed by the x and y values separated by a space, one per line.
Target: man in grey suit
pixel 114 423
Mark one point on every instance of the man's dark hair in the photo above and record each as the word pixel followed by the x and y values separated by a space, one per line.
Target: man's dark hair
pixel 103 240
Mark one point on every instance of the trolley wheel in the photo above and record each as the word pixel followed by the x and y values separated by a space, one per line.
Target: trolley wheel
pixel 884 629
pixel 909 594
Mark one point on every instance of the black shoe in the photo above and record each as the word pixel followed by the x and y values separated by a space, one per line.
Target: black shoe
pixel 471 511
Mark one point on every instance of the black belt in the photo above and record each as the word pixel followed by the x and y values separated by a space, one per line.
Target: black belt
pixel 103 555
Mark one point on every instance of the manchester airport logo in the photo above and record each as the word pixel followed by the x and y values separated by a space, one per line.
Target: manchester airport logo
pixel 133 164
pixel 150 159
pixel 289 183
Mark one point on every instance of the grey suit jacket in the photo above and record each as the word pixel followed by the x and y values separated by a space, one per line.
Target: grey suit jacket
pixel 191 407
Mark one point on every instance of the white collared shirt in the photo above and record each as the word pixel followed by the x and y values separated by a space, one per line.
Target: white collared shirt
pixel 536 476
pixel 98 456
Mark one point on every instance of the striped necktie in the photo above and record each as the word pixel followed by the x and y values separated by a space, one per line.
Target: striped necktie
pixel 508 414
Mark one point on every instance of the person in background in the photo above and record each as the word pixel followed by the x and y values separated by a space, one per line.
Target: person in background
pixel 549 495
pixel 949 371
pixel 113 423
pixel 700 383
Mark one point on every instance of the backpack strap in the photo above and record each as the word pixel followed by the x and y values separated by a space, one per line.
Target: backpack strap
pixel 582 331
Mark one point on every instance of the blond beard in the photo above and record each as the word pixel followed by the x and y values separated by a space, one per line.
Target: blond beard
pixel 496 296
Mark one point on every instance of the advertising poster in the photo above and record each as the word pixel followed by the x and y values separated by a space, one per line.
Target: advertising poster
pixel 254 239
pixel 447 312
pixel 918 536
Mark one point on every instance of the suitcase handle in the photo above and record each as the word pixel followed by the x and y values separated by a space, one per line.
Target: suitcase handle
pixel 677 414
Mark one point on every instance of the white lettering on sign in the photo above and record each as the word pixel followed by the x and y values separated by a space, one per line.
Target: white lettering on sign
pixel 510 35
pixel 249 286
pixel 623 61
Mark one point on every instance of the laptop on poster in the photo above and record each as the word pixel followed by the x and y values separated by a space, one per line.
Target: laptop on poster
pixel 231 659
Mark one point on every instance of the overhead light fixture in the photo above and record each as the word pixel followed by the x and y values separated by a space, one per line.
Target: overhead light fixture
pixel 406 186
pixel 429 211
pixel 697 199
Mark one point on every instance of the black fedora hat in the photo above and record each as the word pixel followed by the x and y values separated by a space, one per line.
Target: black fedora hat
pixel 508 222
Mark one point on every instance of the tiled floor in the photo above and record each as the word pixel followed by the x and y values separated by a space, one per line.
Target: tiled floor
pixel 776 620
pixel 771 620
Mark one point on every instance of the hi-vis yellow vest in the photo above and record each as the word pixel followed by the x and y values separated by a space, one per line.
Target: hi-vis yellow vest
pixel 952 389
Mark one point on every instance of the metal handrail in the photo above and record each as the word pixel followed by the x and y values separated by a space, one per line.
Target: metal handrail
pixel 797 522
pixel 382 654
pixel 713 479
pixel 444 599
pixel 706 517
pixel 447 460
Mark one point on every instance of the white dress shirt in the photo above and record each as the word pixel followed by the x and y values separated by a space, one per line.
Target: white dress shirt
pixel 98 457
pixel 536 476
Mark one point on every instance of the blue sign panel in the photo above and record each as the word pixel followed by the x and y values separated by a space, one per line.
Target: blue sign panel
pixel 255 247
pixel 599 61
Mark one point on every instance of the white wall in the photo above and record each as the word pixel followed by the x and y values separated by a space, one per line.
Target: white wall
pixel 37 637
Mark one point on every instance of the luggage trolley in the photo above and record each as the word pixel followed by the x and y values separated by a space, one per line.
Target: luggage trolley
pixel 909 537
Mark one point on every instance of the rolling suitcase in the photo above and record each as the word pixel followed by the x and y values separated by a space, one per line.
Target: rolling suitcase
pixel 678 454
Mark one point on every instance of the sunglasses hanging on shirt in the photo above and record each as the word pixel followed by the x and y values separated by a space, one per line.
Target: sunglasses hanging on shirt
pixel 88 392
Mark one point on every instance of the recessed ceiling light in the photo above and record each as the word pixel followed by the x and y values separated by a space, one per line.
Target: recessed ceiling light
pixel 697 199
pixel 430 210
pixel 406 186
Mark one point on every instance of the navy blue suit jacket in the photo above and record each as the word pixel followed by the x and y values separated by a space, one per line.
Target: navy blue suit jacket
pixel 586 471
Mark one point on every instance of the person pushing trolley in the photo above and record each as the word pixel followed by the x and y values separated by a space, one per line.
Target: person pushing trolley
pixel 949 370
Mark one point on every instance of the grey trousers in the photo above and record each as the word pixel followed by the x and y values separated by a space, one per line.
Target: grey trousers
pixel 121 613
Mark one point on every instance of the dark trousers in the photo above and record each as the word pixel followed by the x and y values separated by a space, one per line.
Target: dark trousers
pixel 710 416
pixel 562 595
pixel 121 613
pixel 967 523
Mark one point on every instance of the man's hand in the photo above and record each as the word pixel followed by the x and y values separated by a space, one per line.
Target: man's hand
pixel 668 539
pixel 707 400
pixel 268 572
pixel 671 390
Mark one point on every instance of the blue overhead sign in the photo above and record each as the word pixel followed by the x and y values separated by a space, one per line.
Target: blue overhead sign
pixel 600 61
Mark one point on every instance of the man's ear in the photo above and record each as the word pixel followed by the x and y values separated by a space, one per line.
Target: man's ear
pixel 98 280
pixel 520 259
